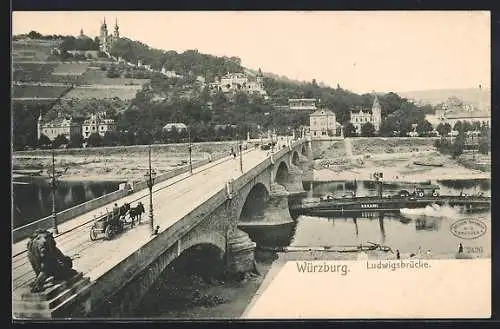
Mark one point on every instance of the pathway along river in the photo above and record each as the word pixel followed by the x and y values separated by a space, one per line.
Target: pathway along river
pixel 183 293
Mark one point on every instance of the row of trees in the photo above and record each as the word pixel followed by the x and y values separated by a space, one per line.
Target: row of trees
pixel 199 133
pixel 457 147
pixel 80 43
pixel 190 62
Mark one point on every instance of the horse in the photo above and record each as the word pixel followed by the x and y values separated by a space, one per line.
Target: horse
pixel 136 212
pixel 124 208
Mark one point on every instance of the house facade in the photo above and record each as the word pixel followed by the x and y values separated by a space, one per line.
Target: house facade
pixel 59 126
pixel 360 116
pixel 97 123
pixel 234 82
pixel 322 123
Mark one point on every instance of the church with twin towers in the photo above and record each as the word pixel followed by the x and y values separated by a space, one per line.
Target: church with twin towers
pixel 106 39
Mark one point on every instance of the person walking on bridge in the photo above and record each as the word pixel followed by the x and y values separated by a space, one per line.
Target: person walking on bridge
pixel 116 211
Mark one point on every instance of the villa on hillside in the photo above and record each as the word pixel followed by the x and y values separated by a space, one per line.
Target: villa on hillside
pixel 360 116
pixel 233 82
pixel 98 123
pixel 59 126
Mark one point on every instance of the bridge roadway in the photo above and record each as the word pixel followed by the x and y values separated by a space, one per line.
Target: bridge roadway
pixel 172 200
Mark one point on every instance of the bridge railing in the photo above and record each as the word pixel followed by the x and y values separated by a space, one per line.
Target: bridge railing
pixel 139 260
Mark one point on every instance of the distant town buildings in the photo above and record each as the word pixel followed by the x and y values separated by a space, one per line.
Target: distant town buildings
pixel 234 82
pixel 360 116
pixel 323 123
pixel 59 126
pixel 302 104
pixel 106 40
pixel 454 110
pixel 67 126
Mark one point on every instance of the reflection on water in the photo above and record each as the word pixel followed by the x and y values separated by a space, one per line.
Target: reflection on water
pixel 408 230
pixel 33 200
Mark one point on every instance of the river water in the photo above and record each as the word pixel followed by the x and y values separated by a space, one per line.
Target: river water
pixel 32 197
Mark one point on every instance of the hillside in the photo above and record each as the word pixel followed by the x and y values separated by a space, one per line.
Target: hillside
pixel 130 83
pixel 438 96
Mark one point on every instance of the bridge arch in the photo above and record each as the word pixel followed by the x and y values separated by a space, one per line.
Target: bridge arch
pixel 295 158
pixel 254 203
pixel 199 258
pixel 282 175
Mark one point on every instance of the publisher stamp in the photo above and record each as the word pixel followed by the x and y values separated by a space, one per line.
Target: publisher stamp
pixel 468 228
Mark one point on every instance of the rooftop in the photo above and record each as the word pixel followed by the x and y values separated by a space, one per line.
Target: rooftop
pixel 322 113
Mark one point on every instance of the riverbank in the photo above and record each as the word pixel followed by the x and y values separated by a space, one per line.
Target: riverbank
pixel 121 163
pixel 395 161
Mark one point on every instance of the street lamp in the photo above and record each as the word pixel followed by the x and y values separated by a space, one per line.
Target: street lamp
pixel 241 156
pixel 190 149
pixel 53 185
pixel 150 176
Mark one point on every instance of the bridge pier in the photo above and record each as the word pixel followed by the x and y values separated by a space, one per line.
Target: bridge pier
pixel 294 186
pixel 240 253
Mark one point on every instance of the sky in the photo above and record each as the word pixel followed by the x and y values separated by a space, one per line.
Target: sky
pixel 363 51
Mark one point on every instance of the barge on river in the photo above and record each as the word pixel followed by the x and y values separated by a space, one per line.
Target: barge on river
pixel 390 203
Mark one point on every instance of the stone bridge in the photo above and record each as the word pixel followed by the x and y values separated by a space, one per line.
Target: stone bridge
pixel 208 211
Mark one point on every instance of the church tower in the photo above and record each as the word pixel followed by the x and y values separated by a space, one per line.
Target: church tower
pixel 103 37
pixel 116 34
pixel 260 79
pixel 376 114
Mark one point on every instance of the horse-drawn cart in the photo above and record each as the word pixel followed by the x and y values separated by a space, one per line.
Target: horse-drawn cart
pixel 111 224
pixel 106 225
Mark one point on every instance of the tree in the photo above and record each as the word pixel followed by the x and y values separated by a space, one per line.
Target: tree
pixel 241 98
pixel 94 140
pixel 349 130
pixel 443 129
pixel 458 126
pixel 34 35
pixel 458 145
pixel 75 141
pixel 44 141
pixel 467 126
pixel 484 145
pixel 111 138
pixel 423 127
pixel 60 140
pixel 367 130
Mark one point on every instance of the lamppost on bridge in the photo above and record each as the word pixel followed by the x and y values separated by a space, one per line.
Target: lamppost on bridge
pixel 53 185
pixel 190 150
pixel 241 156
pixel 150 176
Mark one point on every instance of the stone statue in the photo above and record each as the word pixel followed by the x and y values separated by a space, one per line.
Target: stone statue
pixel 48 262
